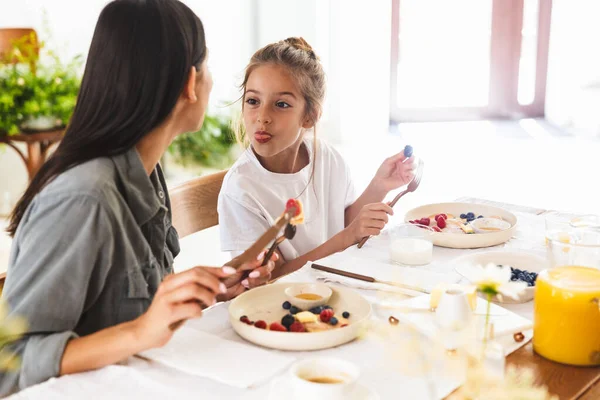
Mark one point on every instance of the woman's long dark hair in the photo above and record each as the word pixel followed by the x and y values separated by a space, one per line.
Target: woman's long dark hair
pixel 138 64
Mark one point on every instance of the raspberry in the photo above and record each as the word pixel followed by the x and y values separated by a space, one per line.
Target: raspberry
pixel 424 221
pixel 244 318
pixel 326 315
pixel 435 228
pixel 297 327
pixel 292 203
pixel 260 324
pixel 441 216
pixel 441 223
pixel 276 326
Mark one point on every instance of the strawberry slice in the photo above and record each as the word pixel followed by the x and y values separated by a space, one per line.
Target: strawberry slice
pixel 293 203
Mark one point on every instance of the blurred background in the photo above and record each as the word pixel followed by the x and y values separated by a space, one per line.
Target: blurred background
pixel 500 98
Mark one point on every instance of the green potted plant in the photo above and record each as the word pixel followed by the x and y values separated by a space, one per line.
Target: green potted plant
pixel 210 147
pixel 36 95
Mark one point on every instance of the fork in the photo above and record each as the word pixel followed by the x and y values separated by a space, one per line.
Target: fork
pixel 412 186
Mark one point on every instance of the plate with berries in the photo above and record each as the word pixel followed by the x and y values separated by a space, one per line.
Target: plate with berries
pixel 465 225
pixel 524 266
pixel 268 317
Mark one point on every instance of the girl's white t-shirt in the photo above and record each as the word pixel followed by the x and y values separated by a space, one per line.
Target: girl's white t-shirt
pixel 252 198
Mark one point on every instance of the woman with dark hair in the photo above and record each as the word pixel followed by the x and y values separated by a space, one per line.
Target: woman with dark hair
pixel 92 258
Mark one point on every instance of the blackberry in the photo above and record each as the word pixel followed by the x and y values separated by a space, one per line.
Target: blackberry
pixel 288 320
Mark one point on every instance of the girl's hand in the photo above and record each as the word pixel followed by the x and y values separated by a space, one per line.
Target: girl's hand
pixel 178 298
pixel 370 220
pixel 394 172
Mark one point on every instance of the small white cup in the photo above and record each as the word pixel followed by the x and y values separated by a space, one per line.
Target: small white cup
pixel 343 375
pixel 453 315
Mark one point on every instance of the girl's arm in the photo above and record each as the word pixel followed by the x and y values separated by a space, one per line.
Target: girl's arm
pixel 369 222
pixel 394 172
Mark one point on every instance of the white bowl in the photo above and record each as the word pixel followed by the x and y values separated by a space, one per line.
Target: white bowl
pixel 264 303
pixel 489 225
pixel 517 259
pixel 466 241
pixel 319 289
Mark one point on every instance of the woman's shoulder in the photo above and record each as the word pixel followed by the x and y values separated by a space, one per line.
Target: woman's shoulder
pixel 91 178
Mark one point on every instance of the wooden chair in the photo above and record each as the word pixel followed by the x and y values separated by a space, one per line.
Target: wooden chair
pixel 194 203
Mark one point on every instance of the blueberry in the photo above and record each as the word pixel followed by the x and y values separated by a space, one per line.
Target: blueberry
pixel 288 320
pixel 294 310
pixel 463 216
pixel 481 216
pixel 333 321
pixel 408 151
pixel 327 307
pixel 286 305
pixel 470 215
pixel 346 314
pixel 316 310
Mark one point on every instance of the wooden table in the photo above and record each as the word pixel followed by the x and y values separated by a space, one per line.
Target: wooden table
pixel 563 380
pixel 37 147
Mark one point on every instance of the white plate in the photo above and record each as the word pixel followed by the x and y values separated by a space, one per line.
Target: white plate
pixel 265 303
pixel 466 241
pixel 517 259
pixel 281 388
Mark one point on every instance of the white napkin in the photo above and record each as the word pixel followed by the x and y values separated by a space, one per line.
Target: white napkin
pixel 232 363
pixel 503 320
pixel 112 382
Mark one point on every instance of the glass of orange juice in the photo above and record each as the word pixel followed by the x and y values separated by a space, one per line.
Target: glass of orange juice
pixel 567 300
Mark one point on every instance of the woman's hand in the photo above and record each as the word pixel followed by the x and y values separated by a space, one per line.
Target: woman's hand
pixel 248 276
pixel 179 297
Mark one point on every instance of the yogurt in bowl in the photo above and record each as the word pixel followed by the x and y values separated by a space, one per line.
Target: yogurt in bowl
pixel 489 225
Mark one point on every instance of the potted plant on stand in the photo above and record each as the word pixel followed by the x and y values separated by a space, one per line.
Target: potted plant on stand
pixel 211 148
pixel 34 95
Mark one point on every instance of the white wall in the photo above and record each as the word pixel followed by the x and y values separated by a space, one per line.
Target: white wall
pixel 573 89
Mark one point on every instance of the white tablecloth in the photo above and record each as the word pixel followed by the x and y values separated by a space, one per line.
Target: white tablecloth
pixel 389 377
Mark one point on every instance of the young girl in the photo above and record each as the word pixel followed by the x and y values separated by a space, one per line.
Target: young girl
pixel 283 92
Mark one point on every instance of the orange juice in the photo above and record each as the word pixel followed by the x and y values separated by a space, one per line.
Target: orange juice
pixel 567 315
